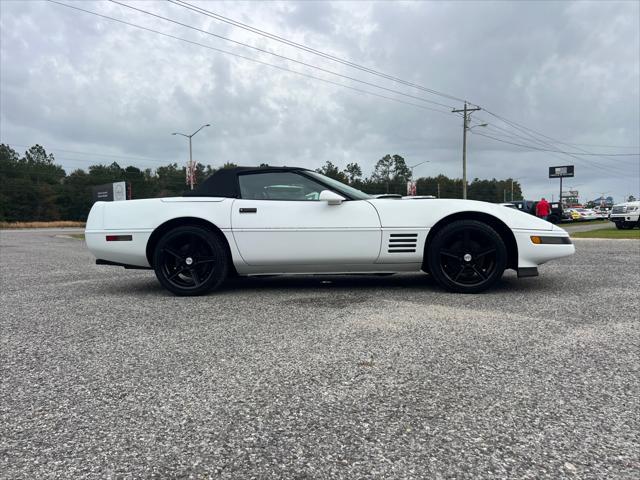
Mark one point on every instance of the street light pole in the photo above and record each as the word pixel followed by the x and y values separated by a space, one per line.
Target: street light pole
pixel 190 168
pixel 411 167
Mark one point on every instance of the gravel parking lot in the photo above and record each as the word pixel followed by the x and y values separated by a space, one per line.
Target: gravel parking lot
pixel 106 375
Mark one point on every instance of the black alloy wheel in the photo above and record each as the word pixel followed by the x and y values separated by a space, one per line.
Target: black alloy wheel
pixel 467 256
pixel 190 260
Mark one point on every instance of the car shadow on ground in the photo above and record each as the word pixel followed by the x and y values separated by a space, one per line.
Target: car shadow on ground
pixel 415 282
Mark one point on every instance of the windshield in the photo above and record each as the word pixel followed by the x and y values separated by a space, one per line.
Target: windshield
pixel 338 186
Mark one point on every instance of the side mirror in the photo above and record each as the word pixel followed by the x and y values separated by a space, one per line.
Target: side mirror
pixel 332 198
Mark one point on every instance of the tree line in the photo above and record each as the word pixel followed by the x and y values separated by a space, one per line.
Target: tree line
pixel 33 187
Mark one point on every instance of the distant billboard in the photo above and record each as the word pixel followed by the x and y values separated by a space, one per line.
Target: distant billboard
pixel 110 192
pixel 561 172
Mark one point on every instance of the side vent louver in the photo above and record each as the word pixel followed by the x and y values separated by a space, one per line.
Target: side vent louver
pixel 403 242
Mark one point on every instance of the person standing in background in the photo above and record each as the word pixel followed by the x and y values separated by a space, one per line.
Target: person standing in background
pixel 543 209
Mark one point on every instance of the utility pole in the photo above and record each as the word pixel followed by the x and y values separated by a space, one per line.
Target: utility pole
pixel 466 111
pixel 512 189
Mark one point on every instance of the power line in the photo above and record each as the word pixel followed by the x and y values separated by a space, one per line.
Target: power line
pixel 525 129
pixel 560 151
pixel 546 143
pixel 225 52
pixel 309 65
pixel 334 58
pixel 514 135
pixel 532 147
pixel 513 124
pixel 599 146
pixel 300 46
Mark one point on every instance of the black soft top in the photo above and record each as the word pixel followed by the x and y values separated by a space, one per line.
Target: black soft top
pixel 224 183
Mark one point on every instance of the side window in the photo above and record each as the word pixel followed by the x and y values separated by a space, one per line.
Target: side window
pixel 278 186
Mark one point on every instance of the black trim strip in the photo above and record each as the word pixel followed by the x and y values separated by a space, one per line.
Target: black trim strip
pixel 401 251
pixel 99 261
pixel 527 272
pixel 403 235
pixel 248 210
pixel 554 240
pixel 403 240
pixel 400 245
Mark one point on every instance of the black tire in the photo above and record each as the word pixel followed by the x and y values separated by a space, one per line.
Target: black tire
pixel 553 219
pixel 190 260
pixel 467 256
pixel 619 225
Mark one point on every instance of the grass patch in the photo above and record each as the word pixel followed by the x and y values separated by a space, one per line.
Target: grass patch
pixel 58 224
pixel 79 236
pixel 576 223
pixel 609 233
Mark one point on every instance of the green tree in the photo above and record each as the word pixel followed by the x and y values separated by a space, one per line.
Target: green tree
pixel 353 172
pixel 332 171
pixel 393 173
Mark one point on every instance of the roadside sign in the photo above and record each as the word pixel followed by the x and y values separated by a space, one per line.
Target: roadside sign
pixel 561 172
pixel 110 192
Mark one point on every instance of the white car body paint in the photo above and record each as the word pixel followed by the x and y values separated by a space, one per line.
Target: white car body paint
pixel 285 237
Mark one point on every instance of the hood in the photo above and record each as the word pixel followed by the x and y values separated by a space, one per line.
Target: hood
pixel 401 212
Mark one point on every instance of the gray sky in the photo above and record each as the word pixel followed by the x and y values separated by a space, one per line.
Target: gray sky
pixel 569 70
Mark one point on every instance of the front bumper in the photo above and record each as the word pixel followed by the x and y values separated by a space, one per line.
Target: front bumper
pixel 623 217
pixel 556 244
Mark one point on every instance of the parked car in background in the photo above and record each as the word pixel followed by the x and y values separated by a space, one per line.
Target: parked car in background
pixel 602 212
pixel 573 214
pixel 583 214
pixel 529 206
pixel 626 215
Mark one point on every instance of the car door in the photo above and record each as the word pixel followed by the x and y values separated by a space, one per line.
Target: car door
pixel 280 220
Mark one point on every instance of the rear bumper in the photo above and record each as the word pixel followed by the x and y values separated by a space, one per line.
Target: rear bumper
pixel 132 252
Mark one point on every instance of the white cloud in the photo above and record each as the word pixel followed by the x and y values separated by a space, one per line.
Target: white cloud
pixel 567 69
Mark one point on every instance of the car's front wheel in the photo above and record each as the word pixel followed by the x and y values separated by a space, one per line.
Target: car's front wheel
pixel 190 260
pixel 467 256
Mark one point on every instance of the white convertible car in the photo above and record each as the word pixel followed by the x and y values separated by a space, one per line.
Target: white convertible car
pixel 266 221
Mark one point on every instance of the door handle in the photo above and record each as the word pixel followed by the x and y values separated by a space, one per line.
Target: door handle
pixel 248 210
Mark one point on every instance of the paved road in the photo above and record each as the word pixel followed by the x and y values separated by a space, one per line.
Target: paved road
pixel 105 375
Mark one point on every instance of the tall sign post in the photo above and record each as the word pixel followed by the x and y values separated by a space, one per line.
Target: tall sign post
pixel 561 172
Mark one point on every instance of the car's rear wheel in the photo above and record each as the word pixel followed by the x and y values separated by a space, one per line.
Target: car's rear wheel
pixel 190 260
pixel 467 256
